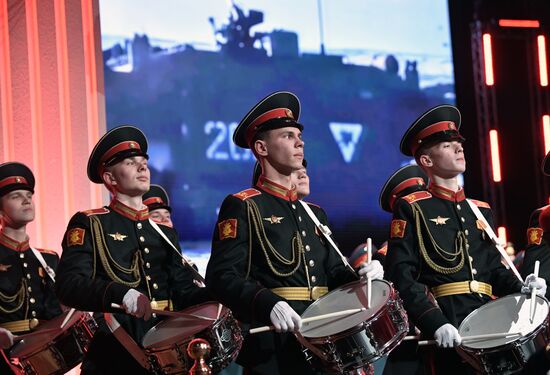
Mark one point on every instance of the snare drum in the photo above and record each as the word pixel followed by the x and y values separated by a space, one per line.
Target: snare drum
pixel 55 352
pixel 507 314
pixel 351 342
pixel 166 343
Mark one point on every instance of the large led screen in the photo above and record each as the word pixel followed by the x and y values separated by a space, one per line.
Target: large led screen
pixel 186 72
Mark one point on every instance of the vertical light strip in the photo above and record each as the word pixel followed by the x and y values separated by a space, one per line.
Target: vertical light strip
pixel 543 68
pixel 36 114
pixel 495 155
pixel 546 133
pixel 502 236
pixel 64 108
pixel 91 87
pixel 5 85
pixel 488 60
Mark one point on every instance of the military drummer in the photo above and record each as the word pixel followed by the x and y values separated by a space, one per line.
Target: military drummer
pixel 269 262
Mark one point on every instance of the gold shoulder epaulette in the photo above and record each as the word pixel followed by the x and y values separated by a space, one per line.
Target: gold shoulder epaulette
pixel 417 196
pixel 245 194
pixel 96 211
pixel 383 250
pixel 313 204
pixel 46 251
pixel 480 203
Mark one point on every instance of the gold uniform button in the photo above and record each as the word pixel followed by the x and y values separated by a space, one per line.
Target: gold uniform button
pixel 299 218
pixel 458 207
pixel 29 276
pixel 146 250
pixel 303 233
pixel 474 286
pixel 32 300
pixel 154 304
pixel 21 255
pixel 293 206
pixel 463 220
pixel 474 271
pixel 148 265
pixel 466 232
pixel 155 286
pixel 471 259
pixel 308 248
pixel 313 279
pixel 33 323
pixel 311 263
pixel 33 313
pixel 25 265
pixel 139 226
pixel 142 239
pixel 29 289
pixel 148 277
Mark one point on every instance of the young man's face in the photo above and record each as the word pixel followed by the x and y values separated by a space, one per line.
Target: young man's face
pixel 131 176
pixel 445 159
pixel 17 208
pixel 301 180
pixel 161 216
pixel 284 149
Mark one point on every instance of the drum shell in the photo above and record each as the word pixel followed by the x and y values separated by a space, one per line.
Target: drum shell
pixel 57 355
pixel 224 335
pixel 363 343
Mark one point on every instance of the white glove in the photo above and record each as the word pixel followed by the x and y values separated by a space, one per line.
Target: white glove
pixel 374 270
pixel 6 339
pixel 531 282
pixel 137 304
pixel 284 318
pixel 447 336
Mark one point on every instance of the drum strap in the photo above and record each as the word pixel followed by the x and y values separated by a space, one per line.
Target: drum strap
pixel 494 238
pixel 49 270
pixel 186 261
pixel 326 233
pixel 127 342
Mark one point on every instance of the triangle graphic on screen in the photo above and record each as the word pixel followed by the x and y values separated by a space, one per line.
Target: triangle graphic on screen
pixel 346 137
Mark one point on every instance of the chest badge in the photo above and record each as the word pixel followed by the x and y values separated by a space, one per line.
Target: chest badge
pixel 274 219
pixel 4 267
pixel 440 220
pixel 118 237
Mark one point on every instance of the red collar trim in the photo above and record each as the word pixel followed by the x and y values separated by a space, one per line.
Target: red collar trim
pixel 277 190
pixel 414 181
pixel 13 244
pixel 444 193
pixel 129 212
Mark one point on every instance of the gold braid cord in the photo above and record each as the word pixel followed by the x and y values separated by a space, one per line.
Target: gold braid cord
pixel 447 256
pixel 18 298
pixel 255 219
pixel 100 246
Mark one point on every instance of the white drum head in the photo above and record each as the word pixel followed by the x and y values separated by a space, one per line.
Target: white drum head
pixel 507 314
pixel 173 330
pixel 349 296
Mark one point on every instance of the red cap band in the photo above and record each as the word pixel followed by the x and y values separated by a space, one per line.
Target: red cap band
pixel 152 200
pixel 274 113
pixel 122 146
pixel 402 186
pixel 429 130
pixel 13 180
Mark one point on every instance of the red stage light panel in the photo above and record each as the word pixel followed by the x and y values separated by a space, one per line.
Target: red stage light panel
pixel 543 68
pixel 546 133
pixel 488 60
pixel 534 24
pixel 495 155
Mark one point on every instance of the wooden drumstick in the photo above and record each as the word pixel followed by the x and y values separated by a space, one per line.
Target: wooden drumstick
pixel 35 333
pixel 487 336
pixel 369 279
pixel 174 314
pixel 67 318
pixel 533 305
pixel 311 319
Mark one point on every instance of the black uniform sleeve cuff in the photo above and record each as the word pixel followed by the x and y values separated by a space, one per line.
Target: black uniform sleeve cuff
pixel 263 303
pixel 114 293
pixel 431 320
